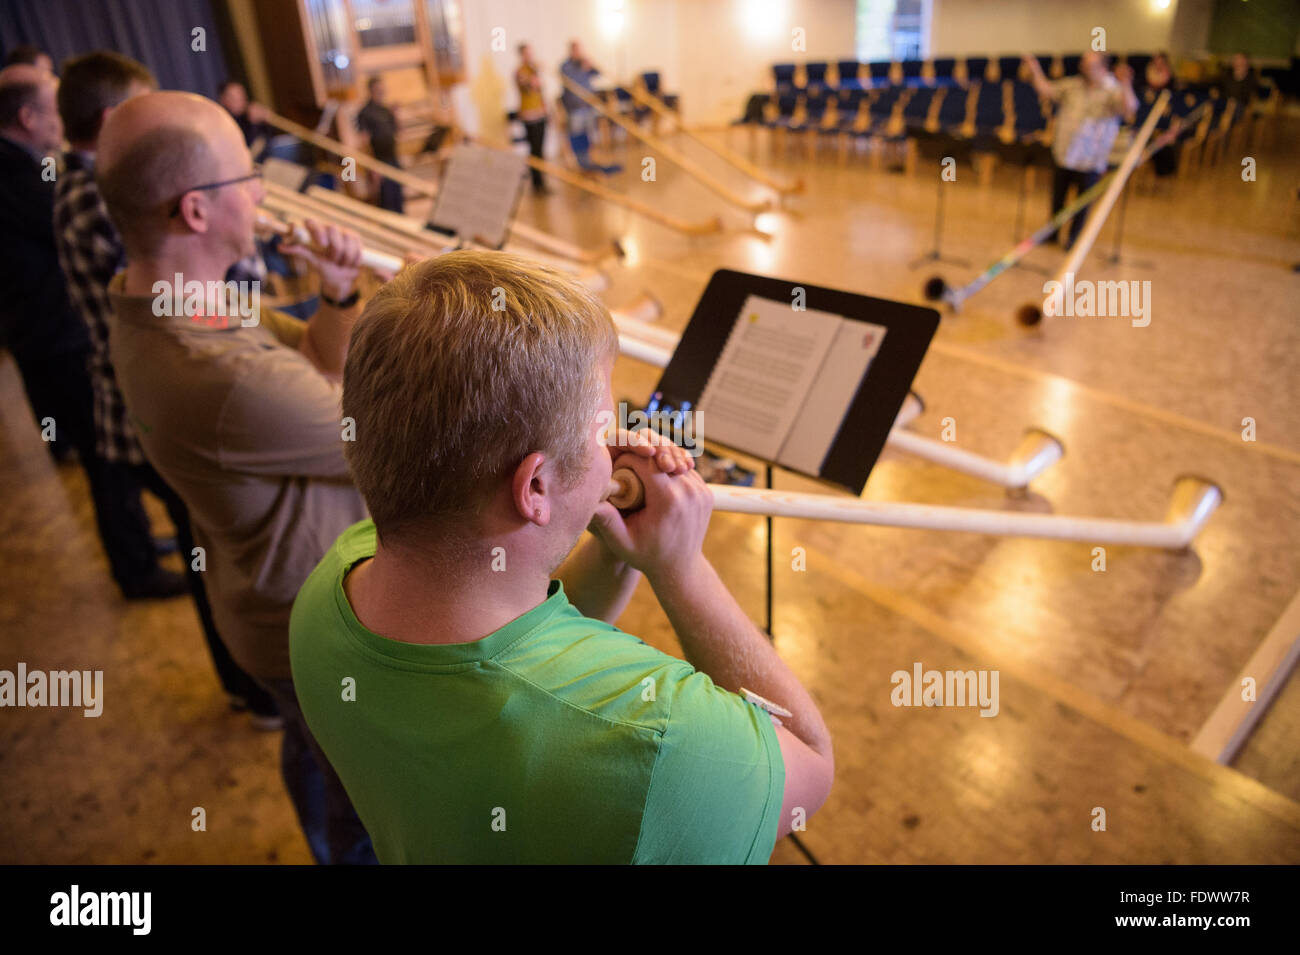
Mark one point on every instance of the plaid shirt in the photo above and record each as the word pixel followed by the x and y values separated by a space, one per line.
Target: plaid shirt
pixel 91 253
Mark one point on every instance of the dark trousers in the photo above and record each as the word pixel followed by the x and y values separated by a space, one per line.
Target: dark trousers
pixel 390 195
pixel 334 833
pixel 390 192
pixel 58 387
pixel 1062 179
pixel 535 130
pixel 234 680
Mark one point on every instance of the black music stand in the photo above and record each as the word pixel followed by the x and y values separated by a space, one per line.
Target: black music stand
pixel 852 400
pixel 935 254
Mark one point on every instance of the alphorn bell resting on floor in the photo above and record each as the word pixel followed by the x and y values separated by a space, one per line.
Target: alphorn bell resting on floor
pixel 486 638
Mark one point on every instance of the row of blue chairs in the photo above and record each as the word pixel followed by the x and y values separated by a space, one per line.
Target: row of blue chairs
pixel 1007 111
pixel 940 71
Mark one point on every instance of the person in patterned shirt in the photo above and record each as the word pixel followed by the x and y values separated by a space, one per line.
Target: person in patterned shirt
pixel 1089 108
pixel 90 254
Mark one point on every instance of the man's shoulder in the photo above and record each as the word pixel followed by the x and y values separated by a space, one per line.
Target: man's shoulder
pixel 613 675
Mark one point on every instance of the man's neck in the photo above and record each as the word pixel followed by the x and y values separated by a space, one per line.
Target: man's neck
pixel 442 602
pixel 194 265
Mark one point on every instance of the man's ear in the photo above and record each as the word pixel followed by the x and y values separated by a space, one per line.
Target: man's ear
pixel 530 490
pixel 195 211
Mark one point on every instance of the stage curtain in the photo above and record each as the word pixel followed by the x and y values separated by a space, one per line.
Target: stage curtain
pixel 158 33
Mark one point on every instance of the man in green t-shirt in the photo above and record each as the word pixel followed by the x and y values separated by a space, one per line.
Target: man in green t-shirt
pixel 475 708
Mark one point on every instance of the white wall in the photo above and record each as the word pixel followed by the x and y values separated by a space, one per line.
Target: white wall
pixel 1051 26
pixel 646 40
pixel 727 48
pixel 713 53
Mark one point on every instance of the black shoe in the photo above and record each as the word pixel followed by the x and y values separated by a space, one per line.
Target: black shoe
pixel 158 585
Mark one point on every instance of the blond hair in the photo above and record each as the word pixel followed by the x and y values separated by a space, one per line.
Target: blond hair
pixel 458 369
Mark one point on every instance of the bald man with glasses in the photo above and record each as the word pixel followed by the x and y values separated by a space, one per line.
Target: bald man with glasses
pixel 242 418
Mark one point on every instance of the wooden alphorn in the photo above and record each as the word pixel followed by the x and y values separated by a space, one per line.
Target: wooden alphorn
pixel 370 258
pixel 1192 502
pixel 425 187
pixel 722 152
pixel 669 153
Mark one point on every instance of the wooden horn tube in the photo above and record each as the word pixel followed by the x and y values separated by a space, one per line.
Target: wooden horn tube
pixel 1192 503
pixel 303 206
pixel 372 259
pixel 422 186
pixel 626 492
pixel 722 152
pixel 590 276
pixel 1091 228
pixel 669 152
pixel 707 227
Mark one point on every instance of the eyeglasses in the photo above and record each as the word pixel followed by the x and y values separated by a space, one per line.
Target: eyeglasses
pixel 255 174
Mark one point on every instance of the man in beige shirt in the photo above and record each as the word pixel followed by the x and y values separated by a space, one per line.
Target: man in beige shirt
pixel 237 408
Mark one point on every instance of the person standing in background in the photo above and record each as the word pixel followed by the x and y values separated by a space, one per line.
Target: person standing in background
pixel 532 111
pixel 47 337
pixel 1089 109
pixel 379 122
pixel 577 69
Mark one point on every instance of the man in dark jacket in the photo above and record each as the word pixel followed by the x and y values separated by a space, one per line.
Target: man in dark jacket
pixel 39 325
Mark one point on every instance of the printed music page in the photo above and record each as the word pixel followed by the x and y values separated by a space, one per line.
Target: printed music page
pixel 822 414
pixel 476 200
pixel 766 370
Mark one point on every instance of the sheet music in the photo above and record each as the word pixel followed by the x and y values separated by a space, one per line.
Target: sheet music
pixel 476 200
pixel 764 373
pixel 823 412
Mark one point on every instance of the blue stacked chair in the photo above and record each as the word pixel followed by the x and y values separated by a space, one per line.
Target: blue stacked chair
pixel 975 67
pixel 1045 62
pixel 1070 64
pixel 815 74
pixel 879 73
pixel 881 108
pixel 943 71
pixel 952 112
pixel 783 74
pixel 917 108
pixel 989 114
pixel 1029 110
pixel 786 101
pixel 849 75
pixel 626 105
pixel 911 72
pixel 650 80
pixel 815 102
pixel 850 101
pixel 1008 66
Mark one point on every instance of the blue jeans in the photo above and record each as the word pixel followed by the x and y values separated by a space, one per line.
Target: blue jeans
pixel 334 833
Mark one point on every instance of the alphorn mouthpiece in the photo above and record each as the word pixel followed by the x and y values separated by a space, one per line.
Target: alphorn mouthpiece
pixel 625 490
